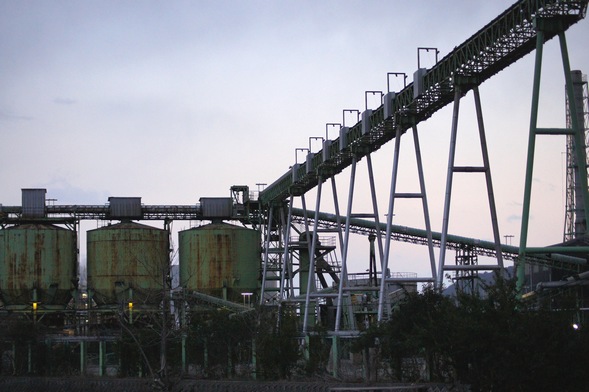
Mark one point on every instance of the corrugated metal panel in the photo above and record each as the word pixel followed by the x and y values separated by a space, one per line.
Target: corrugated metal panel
pixel 216 207
pixel 33 203
pixel 220 255
pixel 125 207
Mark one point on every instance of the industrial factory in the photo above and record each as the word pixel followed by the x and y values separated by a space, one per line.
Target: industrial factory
pixel 130 272
pixel 204 300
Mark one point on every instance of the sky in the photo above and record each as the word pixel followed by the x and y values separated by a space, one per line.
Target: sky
pixel 178 100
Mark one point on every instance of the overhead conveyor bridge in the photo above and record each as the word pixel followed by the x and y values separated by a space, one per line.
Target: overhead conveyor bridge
pixel 503 41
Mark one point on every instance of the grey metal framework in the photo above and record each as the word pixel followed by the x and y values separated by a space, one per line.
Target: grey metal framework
pixel 574 224
pixel 575 130
pixel 509 37
pixel 523 27
pixel 10 214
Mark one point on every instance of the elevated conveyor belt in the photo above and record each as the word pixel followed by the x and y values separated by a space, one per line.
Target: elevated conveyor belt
pixel 419 236
pixel 503 41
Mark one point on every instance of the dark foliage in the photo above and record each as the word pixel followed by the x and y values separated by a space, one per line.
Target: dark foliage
pixel 223 340
pixel 490 342
pixel 277 343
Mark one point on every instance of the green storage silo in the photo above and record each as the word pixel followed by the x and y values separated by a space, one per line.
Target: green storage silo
pixel 219 259
pixel 127 262
pixel 38 263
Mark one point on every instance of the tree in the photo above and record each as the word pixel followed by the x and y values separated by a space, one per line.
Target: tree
pixel 223 339
pixel 149 330
pixel 491 342
pixel 277 342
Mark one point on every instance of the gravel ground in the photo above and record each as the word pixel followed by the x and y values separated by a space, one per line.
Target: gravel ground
pixel 52 384
pixel 42 384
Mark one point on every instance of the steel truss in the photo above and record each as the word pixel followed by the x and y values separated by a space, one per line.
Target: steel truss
pixel 102 212
pixel 574 224
pixel 503 41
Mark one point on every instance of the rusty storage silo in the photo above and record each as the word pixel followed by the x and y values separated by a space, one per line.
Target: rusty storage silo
pixel 220 259
pixel 127 262
pixel 38 264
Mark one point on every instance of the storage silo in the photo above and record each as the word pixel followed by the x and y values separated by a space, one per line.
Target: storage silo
pixel 220 259
pixel 127 262
pixel 38 266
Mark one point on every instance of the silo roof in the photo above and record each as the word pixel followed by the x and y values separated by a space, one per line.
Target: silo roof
pixel 127 225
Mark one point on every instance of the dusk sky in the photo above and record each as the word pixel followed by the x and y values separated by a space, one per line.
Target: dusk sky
pixel 173 101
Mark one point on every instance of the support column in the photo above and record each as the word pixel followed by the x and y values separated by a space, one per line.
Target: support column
pixel 424 204
pixel 343 276
pixel 488 178
pixel 523 239
pixel 29 358
pixel 461 85
pixel 206 354
pixel 575 130
pixel 101 358
pixel 14 359
pixel 422 194
pixel 286 265
pixel 184 366
pixel 266 251
pixel 83 357
pixel 337 215
pixel 335 356
pixel 577 127
pixel 387 248
pixel 449 178
pixel 184 326
pixel 312 257
pixel 375 208
pixel 229 362
pixel 254 361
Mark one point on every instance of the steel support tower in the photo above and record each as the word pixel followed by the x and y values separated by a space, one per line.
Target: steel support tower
pixel 574 130
pixel 520 29
pixel 575 225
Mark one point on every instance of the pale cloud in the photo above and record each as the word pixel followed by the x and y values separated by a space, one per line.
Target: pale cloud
pixel 64 101
pixel 61 190
pixel 10 116
pixel 514 218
